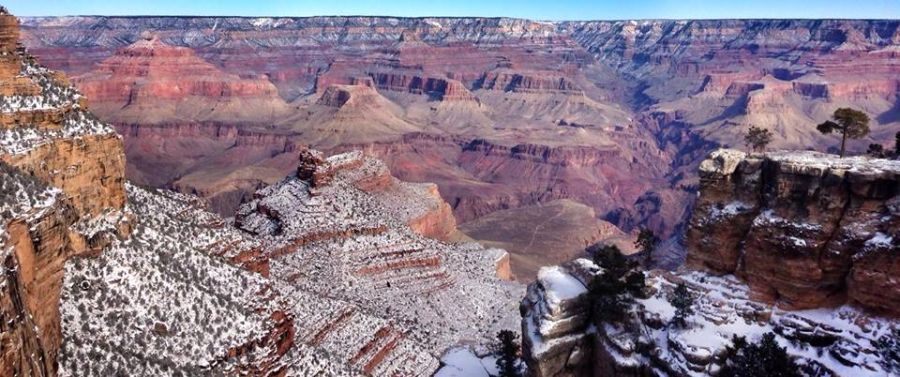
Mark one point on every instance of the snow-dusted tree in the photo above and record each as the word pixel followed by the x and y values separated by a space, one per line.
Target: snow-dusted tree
pixel 765 358
pixel 611 293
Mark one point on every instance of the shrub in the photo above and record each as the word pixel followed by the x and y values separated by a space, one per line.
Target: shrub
pixel 765 358
pixel 683 303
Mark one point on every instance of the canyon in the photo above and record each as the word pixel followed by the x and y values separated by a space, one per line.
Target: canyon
pixel 337 269
pixel 500 113
pixel 330 265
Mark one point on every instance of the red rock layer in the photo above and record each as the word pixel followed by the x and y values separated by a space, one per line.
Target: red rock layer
pixel 802 233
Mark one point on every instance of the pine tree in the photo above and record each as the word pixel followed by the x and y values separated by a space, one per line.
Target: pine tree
pixel 850 123
pixel 897 145
pixel 683 303
pixel 612 292
pixel 757 138
pixel 765 358
pixel 875 150
pixel 508 351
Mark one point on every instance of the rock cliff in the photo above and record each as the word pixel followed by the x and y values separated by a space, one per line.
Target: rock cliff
pixel 804 229
pixel 329 271
pixel 63 178
pixel 561 340
pixel 801 244
pixel 149 82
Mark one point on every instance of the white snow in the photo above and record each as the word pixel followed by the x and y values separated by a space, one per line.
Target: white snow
pixel 559 285
pixel 879 240
pixel 462 362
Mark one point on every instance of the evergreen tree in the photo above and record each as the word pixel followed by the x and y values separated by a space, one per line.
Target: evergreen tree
pixel 897 145
pixel 612 292
pixel 763 359
pixel 508 350
pixel 876 150
pixel 757 138
pixel 646 243
pixel 850 123
pixel 683 303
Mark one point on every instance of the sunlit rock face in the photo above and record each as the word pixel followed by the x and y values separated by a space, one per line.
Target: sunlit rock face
pixel 804 229
pixel 63 196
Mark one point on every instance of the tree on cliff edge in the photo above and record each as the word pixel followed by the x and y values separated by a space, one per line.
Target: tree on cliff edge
pixel 612 292
pixel 757 138
pixel 850 123
pixel 508 352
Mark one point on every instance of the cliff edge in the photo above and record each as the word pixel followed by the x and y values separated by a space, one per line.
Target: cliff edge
pixel 804 229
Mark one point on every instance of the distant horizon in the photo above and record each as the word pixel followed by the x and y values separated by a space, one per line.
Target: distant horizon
pixel 537 10
pixel 458 17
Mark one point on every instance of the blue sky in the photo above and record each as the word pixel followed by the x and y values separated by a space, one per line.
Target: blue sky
pixel 533 9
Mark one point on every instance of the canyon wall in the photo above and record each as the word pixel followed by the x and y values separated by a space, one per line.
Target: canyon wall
pixel 803 229
pixel 616 115
pixel 771 236
pixel 63 178
pixel 333 270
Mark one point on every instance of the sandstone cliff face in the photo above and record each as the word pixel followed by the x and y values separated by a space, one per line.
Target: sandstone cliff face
pixel 63 178
pixel 804 229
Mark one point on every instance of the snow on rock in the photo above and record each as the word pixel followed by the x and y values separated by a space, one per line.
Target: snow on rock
pixel 462 362
pixel 802 227
pixel 555 320
pixel 558 285
pixel 841 341
pixel 342 233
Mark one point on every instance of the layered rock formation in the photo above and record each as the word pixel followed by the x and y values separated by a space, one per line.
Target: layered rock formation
pixel 659 93
pixel 329 272
pixel 560 340
pixel 63 175
pixel 149 82
pixel 804 229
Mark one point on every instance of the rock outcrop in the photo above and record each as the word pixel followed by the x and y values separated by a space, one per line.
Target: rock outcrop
pixel 561 340
pixel 63 196
pixel 804 229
